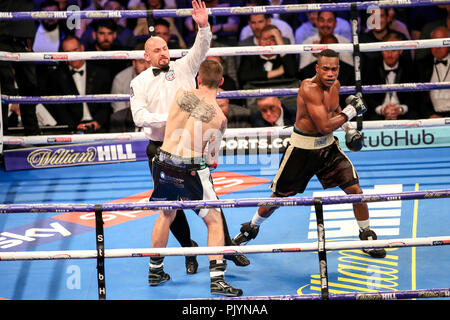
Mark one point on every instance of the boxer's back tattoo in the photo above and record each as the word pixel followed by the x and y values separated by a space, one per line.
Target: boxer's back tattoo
pixel 196 108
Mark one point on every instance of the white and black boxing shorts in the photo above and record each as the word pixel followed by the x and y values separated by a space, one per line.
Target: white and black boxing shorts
pixel 176 178
pixel 308 155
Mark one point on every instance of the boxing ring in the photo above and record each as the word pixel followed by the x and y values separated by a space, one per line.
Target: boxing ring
pixel 60 227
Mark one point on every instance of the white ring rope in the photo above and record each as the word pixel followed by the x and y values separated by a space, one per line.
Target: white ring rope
pixel 227 51
pixel 231 94
pixel 226 250
pixel 218 11
pixel 139 136
pixel 229 133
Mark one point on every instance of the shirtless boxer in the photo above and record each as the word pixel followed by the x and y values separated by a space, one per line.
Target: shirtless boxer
pixel 313 149
pixel 181 168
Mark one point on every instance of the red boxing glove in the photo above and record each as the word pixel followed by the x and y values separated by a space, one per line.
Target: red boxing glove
pixel 213 166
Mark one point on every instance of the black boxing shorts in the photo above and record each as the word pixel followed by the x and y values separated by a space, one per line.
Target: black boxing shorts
pixel 176 178
pixel 308 155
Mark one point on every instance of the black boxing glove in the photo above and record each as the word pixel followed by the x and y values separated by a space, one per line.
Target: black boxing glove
pixel 354 140
pixel 355 106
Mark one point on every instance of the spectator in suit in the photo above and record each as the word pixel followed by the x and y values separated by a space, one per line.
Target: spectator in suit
pixel 273 113
pixel 124 36
pixel 420 16
pixel 267 66
pixel 105 34
pixel 49 31
pixel 377 29
pixel 425 32
pixel 49 35
pixel 396 24
pixel 435 68
pixel 121 117
pixel 384 20
pixel 162 29
pixel 250 33
pixel 326 23
pixel 391 68
pixel 18 78
pixel 237 116
pixel 84 23
pixel 309 27
pixel 257 22
pixel 79 78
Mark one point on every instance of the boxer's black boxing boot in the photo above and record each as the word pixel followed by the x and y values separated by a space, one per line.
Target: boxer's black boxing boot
pixel 217 270
pixel 156 274
pixel 365 234
pixel 247 233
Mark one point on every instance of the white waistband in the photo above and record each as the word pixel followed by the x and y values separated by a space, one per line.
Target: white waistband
pixel 310 143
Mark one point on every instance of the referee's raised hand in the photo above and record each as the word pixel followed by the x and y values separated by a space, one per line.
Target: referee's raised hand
pixel 199 13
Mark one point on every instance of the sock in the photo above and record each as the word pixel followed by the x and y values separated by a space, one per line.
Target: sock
pixel 363 224
pixel 217 269
pixel 257 220
pixel 157 264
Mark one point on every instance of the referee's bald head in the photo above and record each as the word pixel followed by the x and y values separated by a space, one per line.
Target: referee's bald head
pixel 157 52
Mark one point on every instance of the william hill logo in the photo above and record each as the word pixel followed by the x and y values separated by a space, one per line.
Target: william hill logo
pixel 60 157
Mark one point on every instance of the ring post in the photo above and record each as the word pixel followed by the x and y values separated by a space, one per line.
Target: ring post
pixel 100 252
pixel 150 23
pixel 321 248
pixel 356 60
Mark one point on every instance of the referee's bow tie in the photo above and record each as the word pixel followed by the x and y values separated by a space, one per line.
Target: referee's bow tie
pixel 390 70
pixel 157 71
pixel 73 71
pixel 444 62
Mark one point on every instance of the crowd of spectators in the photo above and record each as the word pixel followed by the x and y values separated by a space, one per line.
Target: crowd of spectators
pixel 240 72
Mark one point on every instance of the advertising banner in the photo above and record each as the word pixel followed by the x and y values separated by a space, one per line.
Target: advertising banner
pixel 74 155
pixel 262 142
pixel 374 139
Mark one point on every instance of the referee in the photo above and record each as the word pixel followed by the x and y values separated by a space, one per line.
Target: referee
pixel 151 94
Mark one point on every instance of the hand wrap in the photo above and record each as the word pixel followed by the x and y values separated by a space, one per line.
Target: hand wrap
pixel 355 106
